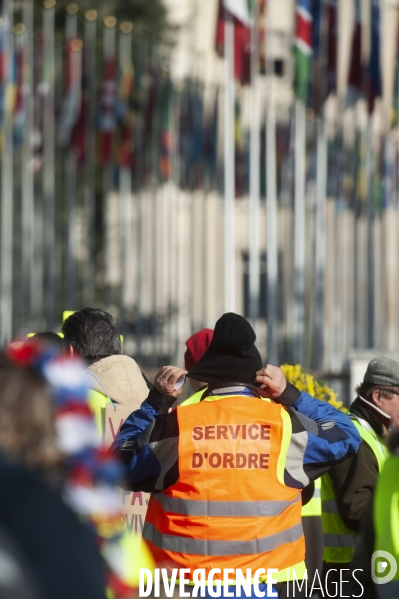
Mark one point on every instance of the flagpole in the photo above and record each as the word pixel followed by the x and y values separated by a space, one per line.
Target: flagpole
pixel 320 240
pixel 321 193
pixel 175 334
pixel 125 180
pixel 28 263
pixel 254 166
pixel 6 276
pixel 140 170
pixel 271 207
pixel 49 164
pixel 109 54
pixel 90 29
pixel 70 194
pixel 229 167
pixel 74 78
pixel 299 234
pixel 370 238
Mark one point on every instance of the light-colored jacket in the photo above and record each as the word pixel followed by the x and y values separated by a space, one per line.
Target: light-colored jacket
pixel 117 379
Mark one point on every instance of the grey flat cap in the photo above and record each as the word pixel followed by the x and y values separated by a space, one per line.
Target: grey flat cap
pixel 382 371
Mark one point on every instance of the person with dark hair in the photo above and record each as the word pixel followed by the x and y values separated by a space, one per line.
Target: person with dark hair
pixel 114 377
pixel 346 489
pixel 226 472
pixel 93 333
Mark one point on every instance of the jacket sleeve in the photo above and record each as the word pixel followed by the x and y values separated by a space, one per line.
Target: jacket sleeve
pixel 147 445
pixel 354 481
pixel 321 437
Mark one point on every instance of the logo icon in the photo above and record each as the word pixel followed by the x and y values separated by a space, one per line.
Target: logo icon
pixel 383 567
pixel 327 424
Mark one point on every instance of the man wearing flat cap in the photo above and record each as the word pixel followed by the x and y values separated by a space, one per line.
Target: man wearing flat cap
pixel 347 488
pixel 226 472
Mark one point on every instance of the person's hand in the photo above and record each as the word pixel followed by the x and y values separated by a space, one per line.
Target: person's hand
pixel 271 380
pixel 167 378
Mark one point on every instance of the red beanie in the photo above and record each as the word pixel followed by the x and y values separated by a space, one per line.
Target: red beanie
pixel 197 345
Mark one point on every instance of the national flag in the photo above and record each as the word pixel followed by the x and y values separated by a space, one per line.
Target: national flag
pixel 303 49
pixel 79 133
pixel 241 142
pixel 332 24
pixel 324 52
pixel 107 116
pixel 167 133
pixel 197 111
pixel 374 82
pixel 39 88
pixel 395 97
pixel 19 105
pixel 72 102
pixel 211 139
pixel 191 136
pixel 355 82
pixel 125 114
pixel 239 10
pixel 3 70
pixel 262 35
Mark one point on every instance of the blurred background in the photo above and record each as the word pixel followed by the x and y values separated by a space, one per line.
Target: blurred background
pixel 170 160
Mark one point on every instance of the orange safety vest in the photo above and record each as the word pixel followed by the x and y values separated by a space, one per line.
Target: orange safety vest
pixel 230 507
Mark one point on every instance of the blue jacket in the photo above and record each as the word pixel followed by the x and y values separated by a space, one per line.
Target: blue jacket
pixel 321 437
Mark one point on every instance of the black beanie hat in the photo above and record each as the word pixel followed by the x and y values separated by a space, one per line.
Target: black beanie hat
pixel 231 355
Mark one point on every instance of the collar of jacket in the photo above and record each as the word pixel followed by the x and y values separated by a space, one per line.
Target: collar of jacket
pixel 231 389
pixel 377 419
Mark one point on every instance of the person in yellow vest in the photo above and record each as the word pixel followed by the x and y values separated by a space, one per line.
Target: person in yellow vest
pixel 113 377
pixel 226 473
pixel 376 559
pixel 347 488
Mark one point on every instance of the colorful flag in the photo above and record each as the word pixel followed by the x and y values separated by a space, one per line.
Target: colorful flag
pixel 71 106
pixel 3 70
pixel 374 83
pixel 242 153
pixel 19 106
pixel 167 133
pixel 395 97
pixel 125 114
pixel 303 49
pixel 332 14
pixel 355 82
pixel 262 35
pixel 211 138
pixel 239 10
pixel 107 116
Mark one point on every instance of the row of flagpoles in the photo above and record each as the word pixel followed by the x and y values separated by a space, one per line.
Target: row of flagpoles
pixel 78 126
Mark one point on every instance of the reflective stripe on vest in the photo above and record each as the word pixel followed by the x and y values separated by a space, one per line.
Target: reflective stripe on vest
pixel 220 548
pixel 313 507
pixel 223 511
pixel 195 507
pixel 339 540
pixel 386 520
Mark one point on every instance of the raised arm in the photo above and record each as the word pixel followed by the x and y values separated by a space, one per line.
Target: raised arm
pixel 145 461
pixel 321 435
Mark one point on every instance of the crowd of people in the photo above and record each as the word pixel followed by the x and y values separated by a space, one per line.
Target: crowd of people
pixel 234 470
